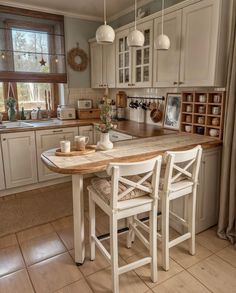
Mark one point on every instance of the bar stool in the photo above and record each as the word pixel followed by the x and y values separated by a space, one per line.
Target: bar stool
pixel 127 194
pixel 180 180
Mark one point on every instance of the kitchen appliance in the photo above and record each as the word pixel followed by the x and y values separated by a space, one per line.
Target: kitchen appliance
pixel 66 112
pixel 85 104
pixel 121 104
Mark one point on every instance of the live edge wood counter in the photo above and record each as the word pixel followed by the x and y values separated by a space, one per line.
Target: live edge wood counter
pixel 131 150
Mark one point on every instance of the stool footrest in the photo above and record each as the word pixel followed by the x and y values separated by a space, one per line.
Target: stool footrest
pixel 103 250
pixel 134 265
pixel 179 239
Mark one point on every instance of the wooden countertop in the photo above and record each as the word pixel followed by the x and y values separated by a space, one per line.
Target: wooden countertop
pixel 129 127
pixel 133 150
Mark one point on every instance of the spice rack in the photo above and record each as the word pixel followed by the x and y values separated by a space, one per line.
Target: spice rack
pixel 203 113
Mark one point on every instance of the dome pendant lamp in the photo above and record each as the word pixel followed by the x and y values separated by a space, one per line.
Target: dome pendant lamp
pixel 105 34
pixel 162 42
pixel 135 38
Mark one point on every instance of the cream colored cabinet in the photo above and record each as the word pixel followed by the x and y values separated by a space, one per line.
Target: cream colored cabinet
pixel 198 37
pixel 166 63
pixel 102 65
pixel 207 193
pixel 2 176
pixel 48 139
pixel 208 190
pixel 87 131
pixel 134 65
pixel 200 32
pixel 19 157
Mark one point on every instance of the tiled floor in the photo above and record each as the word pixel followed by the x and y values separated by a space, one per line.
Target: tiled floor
pixel 40 260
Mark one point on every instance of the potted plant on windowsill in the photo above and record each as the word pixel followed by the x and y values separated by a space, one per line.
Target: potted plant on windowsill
pixel 105 126
pixel 11 104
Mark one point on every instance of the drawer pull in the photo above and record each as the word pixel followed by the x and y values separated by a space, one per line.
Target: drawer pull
pixel 57 131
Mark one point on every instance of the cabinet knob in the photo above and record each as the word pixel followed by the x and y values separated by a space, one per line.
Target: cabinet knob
pixel 4 139
pixel 175 82
pixel 181 82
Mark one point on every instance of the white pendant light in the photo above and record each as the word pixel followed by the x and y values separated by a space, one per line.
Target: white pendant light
pixel 135 38
pixel 162 42
pixel 105 34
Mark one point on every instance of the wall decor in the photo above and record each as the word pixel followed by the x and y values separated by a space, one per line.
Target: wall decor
pixel 172 111
pixel 73 54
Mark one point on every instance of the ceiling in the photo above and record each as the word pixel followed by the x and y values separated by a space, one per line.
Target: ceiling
pixel 85 9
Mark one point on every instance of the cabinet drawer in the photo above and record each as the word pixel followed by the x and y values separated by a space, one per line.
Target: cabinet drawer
pixel 89 114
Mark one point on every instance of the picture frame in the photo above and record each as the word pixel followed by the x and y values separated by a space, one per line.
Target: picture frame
pixel 172 116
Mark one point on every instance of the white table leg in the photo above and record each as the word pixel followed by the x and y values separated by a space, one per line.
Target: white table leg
pixel 78 212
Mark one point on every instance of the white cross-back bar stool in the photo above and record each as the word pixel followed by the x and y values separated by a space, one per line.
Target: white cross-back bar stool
pixel 180 180
pixel 127 194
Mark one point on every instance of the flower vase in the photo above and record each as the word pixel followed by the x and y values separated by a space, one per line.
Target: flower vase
pixel 104 143
pixel 11 114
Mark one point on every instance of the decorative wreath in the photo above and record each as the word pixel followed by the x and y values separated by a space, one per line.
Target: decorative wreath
pixel 77 52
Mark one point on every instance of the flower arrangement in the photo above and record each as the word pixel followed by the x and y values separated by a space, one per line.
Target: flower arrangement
pixel 11 104
pixel 105 117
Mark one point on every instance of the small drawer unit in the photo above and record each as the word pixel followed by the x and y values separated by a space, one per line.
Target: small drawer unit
pixel 89 114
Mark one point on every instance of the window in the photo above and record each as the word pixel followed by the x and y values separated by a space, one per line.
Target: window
pixel 29 48
pixel 32 47
pixel 2 106
pixel 32 95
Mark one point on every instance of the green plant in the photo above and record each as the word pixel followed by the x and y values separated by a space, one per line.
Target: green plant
pixel 11 102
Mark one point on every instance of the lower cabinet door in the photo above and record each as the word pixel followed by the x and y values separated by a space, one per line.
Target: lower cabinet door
pixel 49 139
pixel 2 176
pixel 19 157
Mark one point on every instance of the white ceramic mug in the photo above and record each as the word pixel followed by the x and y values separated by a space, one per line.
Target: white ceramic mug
pixel 215 110
pixel 214 132
pixel 189 108
pixel 188 118
pixel 200 120
pixel 188 128
pixel 189 98
pixel 202 98
pixel 80 142
pixel 201 109
pixel 65 146
pixel 216 99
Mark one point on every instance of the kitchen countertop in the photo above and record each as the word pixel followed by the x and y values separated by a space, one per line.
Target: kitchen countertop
pixel 128 127
pixel 133 150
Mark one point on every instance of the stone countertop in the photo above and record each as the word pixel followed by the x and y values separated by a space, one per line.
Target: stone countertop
pixel 128 127
pixel 133 150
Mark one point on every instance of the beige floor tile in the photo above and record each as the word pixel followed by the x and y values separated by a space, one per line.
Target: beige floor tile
pixel 41 248
pixel 90 267
pixel 77 287
pixel 34 232
pixel 54 273
pixel 181 283
pixel 11 260
pixel 17 282
pixel 210 240
pixel 145 273
pixel 216 274
pixel 181 254
pixel 228 254
pixel 129 282
pixel 63 223
pixel 8 240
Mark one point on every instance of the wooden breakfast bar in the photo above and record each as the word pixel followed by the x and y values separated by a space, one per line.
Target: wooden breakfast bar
pixel 123 151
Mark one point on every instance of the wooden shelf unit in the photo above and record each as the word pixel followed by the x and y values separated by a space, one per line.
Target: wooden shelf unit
pixel 190 112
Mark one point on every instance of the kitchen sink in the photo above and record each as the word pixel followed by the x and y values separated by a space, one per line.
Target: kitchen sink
pixel 44 123
pixel 17 124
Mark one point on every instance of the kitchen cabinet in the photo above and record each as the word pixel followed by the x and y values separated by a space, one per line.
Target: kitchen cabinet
pixel 102 65
pixel 198 37
pixel 167 62
pixel 87 131
pixel 134 65
pixel 48 139
pixel 19 158
pixel 207 193
pixel 2 176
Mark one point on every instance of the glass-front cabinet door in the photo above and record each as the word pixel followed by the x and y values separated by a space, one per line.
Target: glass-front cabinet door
pixel 142 58
pixel 123 60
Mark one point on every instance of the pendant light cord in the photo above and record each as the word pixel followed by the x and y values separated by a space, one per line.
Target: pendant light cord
pixel 105 16
pixel 135 11
pixel 162 16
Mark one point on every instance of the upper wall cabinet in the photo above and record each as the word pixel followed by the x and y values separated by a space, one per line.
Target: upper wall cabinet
pixel 166 63
pixel 102 65
pixel 134 65
pixel 198 35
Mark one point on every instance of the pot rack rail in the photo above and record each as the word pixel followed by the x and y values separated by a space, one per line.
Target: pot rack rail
pixel 161 98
